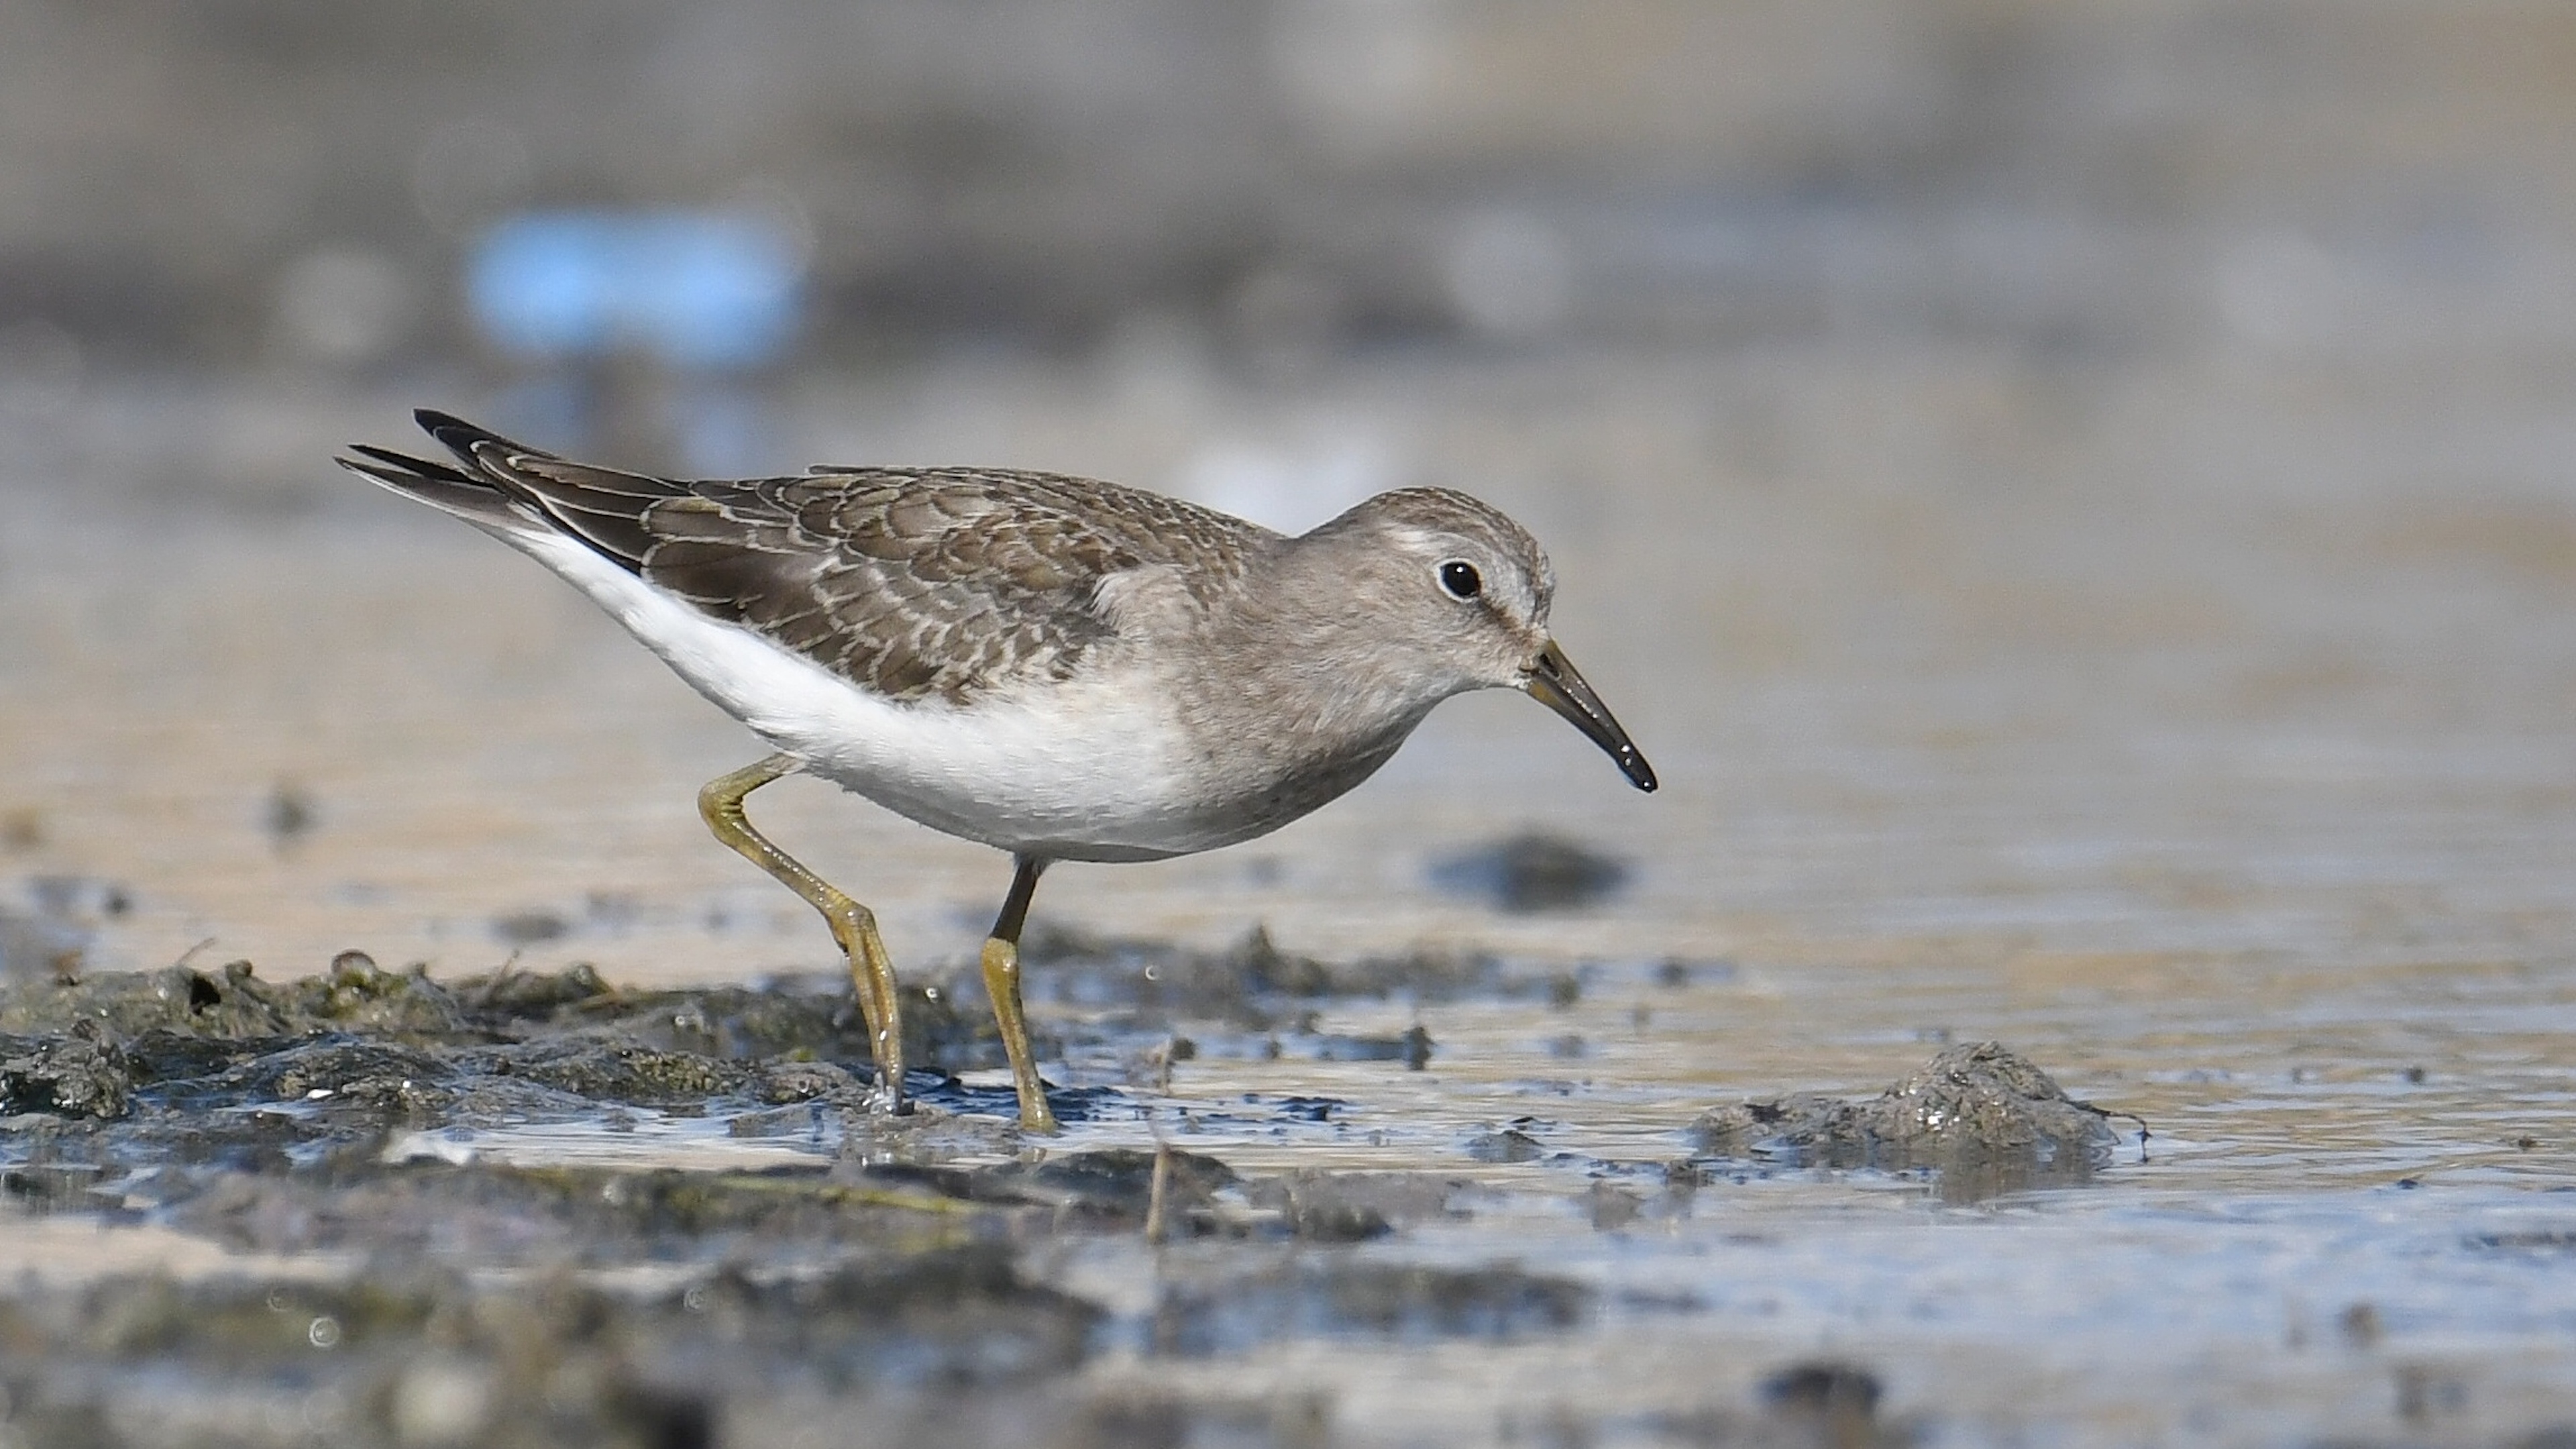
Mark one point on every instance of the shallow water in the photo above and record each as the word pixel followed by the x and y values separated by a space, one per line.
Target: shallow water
pixel 2197 724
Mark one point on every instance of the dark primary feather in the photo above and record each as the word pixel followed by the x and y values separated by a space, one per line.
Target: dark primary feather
pixel 437 485
pixel 914 583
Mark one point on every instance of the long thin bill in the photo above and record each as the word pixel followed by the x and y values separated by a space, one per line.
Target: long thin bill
pixel 1553 682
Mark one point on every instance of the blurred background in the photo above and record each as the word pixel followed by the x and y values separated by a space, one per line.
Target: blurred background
pixel 2076 478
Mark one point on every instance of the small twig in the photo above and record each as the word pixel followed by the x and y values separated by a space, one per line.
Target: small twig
pixel 191 953
pixel 492 984
pixel 2143 1133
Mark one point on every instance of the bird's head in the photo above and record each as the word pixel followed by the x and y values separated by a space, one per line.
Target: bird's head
pixel 1459 598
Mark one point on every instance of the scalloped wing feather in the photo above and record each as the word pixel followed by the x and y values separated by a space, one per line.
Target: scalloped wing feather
pixel 913 584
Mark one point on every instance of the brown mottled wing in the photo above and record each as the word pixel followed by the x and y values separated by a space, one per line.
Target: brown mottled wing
pixel 938 582
pixel 915 583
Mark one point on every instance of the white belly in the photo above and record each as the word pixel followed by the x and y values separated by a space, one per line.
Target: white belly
pixel 1093 777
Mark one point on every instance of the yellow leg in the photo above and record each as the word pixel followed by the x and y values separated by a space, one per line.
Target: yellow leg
pixel 854 926
pixel 1002 983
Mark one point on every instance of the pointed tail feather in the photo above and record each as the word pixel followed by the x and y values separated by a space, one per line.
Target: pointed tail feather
pixel 509 487
pixel 469 443
pixel 441 487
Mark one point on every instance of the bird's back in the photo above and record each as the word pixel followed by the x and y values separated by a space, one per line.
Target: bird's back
pixel 912 584
pixel 946 583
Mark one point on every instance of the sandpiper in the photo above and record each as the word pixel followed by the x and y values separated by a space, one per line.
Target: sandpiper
pixel 1061 668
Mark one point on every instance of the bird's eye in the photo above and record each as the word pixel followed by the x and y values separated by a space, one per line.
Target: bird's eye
pixel 1460 579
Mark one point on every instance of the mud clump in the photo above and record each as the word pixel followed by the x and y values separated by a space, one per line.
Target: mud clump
pixel 1824 1389
pixel 1821 1404
pixel 1975 1111
pixel 171 1078
pixel 1986 1097
pixel 359 997
pixel 1505 1145
pixel 1532 872
pixel 625 1072
pixel 81 1073
pixel 235 1005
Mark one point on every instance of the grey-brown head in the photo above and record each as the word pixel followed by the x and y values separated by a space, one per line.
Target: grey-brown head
pixel 1459 598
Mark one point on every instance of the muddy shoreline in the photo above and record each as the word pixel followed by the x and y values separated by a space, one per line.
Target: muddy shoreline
pixel 453 1292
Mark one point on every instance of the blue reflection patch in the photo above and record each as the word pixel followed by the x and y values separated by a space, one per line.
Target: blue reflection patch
pixel 699 290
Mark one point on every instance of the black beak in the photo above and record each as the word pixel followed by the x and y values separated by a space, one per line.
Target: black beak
pixel 1552 682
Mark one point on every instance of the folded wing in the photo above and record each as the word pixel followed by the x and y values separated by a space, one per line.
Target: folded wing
pixel 917 584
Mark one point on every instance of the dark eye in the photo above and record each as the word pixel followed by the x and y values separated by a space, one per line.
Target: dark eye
pixel 1460 578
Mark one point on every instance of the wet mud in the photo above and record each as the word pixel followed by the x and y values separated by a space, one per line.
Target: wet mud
pixel 430 1285
pixel 537 1207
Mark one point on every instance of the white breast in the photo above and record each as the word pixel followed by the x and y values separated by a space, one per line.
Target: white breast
pixel 1086 769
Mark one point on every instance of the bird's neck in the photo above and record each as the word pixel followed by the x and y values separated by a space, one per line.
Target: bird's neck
pixel 1303 651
